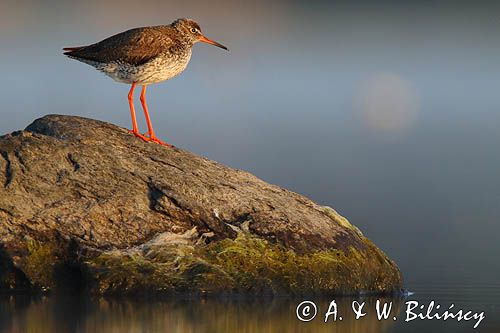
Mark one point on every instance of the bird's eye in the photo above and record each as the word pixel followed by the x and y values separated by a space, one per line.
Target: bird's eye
pixel 193 30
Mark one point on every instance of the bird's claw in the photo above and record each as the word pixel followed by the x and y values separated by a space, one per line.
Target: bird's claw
pixel 158 141
pixel 147 138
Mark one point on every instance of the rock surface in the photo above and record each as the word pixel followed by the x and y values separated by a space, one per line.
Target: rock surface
pixel 84 204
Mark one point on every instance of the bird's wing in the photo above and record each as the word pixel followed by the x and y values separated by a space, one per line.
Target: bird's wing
pixel 136 46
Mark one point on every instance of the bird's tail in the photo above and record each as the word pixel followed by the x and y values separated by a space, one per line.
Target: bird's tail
pixel 68 50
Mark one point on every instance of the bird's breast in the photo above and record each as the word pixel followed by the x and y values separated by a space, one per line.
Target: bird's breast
pixel 163 67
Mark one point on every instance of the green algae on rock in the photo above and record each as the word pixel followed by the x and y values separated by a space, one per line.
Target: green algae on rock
pixel 246 264
pixel 39 264
pixel 84 204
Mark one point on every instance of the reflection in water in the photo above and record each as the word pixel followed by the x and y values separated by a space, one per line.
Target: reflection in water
pixel 84 314
pixel 55 314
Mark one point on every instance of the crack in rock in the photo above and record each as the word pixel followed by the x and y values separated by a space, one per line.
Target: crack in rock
pixel 9 174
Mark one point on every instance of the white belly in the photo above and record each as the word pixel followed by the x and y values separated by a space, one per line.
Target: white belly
pixel 154 71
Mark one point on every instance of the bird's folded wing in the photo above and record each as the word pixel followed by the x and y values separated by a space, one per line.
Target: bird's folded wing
pixel 136 47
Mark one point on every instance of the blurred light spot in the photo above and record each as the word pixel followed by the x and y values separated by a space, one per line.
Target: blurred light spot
pixel 387 103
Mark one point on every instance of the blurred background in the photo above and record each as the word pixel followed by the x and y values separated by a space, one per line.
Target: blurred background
pixel 385 110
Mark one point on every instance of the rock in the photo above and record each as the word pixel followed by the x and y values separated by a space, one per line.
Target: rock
pixel 86 205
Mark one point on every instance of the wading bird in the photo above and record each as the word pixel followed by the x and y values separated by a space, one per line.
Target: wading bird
pixel 143 56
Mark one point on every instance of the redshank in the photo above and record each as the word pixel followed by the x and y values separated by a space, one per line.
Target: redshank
pixel 143 56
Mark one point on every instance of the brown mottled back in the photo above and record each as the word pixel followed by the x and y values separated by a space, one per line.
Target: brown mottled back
pixel 135 46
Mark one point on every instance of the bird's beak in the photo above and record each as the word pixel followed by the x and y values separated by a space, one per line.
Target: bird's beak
pixel 209 41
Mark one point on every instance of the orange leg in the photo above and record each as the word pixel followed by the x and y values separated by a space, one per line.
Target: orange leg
pixel 151 132
pixel 135 129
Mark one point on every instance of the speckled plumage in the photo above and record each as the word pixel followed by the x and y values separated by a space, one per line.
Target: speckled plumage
pixel 142 55
pixel 161 68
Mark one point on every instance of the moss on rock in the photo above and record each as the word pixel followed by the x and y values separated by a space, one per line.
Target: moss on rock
pixel 39 264
pixel 244 265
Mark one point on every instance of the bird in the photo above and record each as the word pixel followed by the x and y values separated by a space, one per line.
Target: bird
pixel 144 56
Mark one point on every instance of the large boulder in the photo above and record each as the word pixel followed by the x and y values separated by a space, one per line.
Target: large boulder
pixel 86 205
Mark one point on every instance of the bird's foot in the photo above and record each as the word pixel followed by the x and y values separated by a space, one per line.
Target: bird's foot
pixel 154 139
pixel 148 138
pixel 158 141
pixel 139 135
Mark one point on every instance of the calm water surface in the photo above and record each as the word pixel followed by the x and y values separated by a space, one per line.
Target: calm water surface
pixel 83 314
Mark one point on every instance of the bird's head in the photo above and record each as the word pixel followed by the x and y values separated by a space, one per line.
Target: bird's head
pixel 192 32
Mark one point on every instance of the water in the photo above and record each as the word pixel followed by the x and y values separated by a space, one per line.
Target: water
pixel 387 111
pixel 82 314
